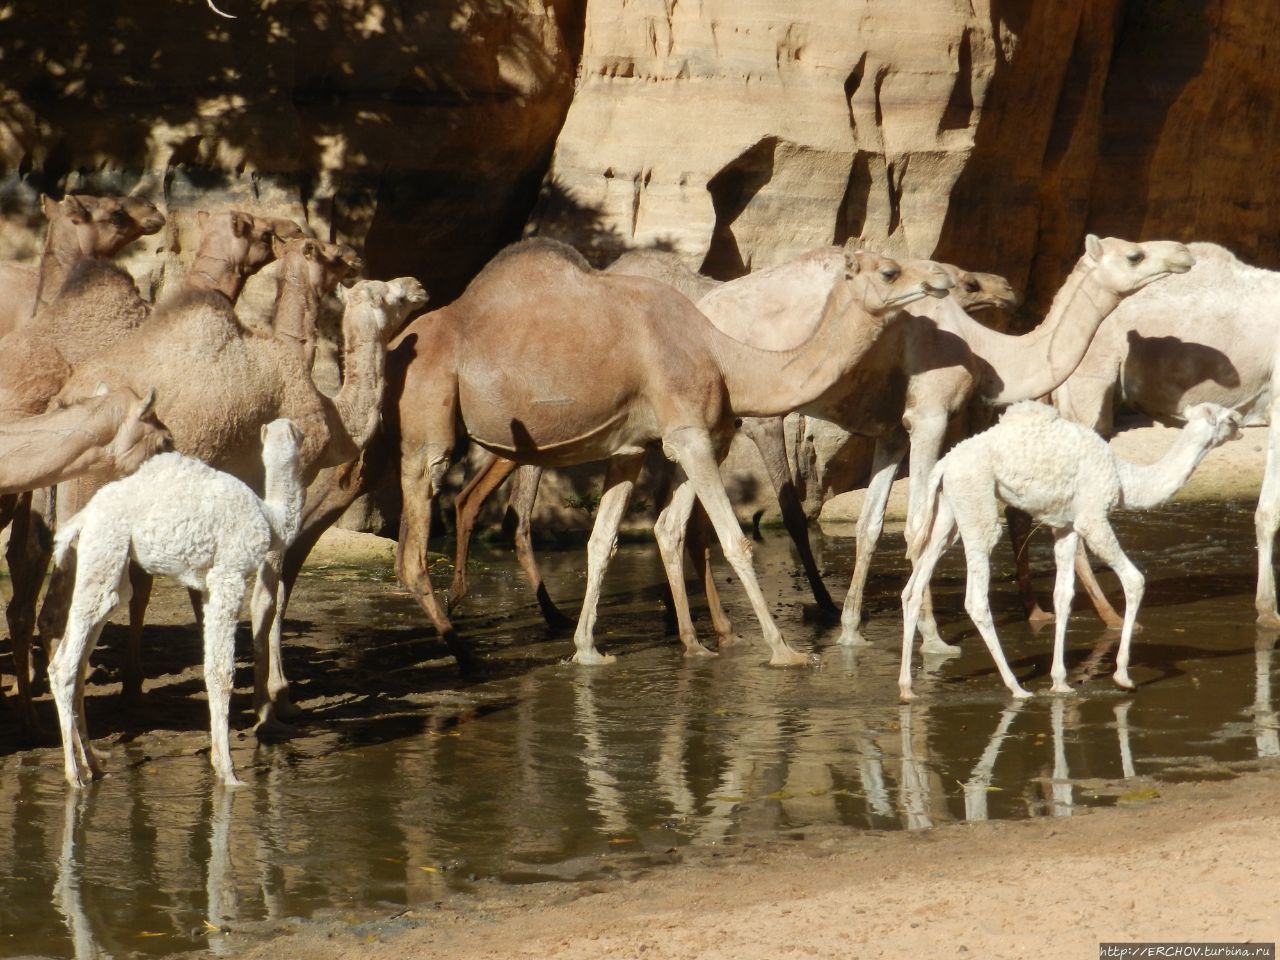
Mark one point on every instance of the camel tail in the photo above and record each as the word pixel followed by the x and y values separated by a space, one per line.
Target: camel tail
pixel 66 537
pixel 918 526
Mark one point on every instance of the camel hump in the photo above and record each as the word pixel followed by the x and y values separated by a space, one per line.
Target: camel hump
pixel 535 247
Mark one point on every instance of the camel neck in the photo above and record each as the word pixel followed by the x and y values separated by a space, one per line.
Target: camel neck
pixel 60 253
pixel 216 273
pixel 358 404
pixel 283 496
pixel 770 383
pixel 1036 363
pixel 1144 486
pixel 68 442
pixel 297 306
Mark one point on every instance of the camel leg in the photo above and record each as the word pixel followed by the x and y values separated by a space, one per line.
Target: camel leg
pixel 221 605
pixel 619 481
pixel 1020 529
pixel 1102 541
pixel 927 436
pixel 421 473
pixel 28 553
pixel 769 436
pixel 691 448
pixel 1065 545
pixel 1101 605
pixel 516 524
pixel 699 551
pixel 490 473
pixel 1266 520
pixel 141 581
pixel 270 688
pixel 942 535
pixel 670 532
pixel 889 453
pixel 979 524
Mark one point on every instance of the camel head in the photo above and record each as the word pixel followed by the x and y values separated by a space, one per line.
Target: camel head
pixel 387 303
pixel 281 443
pixel 980 291
pixel 321 266
pixel 1125 267
pixel 1214 425
pixel 101 226
pixel 887 285
pixel 140 434
pixel 242 241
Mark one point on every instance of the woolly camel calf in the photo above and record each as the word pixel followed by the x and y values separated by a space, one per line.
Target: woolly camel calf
pixel 1210 335
pixel 181 518
pixel 1068 478
pixel 543 360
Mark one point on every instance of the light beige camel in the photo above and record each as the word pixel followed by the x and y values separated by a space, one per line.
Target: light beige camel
pixel 936 359
pixel 1208 336
pixel 644 367
pixel 1068 478
pixel 105 435
pixel 80 227
pixel 248 378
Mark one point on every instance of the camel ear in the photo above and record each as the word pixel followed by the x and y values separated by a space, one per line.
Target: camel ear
pixel 1093 246
pixel 295 431
pixel 262 433
pixel 48 206
pixel 277 246
pixel 101 390
pixel 852 262
pixel 148 403
pixel 285 229
pixel 202 217
pixel 75 209
pixel 241 224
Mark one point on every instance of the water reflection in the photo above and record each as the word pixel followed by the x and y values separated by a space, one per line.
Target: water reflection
pixel 556 772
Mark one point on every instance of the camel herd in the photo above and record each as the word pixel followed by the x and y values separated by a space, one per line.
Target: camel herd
pixel 546 362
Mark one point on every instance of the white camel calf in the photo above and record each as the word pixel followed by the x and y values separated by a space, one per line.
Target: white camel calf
pixel 179 517
pixel 1067 478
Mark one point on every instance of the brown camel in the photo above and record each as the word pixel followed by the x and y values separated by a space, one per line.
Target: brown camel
pixel 645 367
pixel 249 378
pixel 974 292
pixel 80 227
pixel 106 436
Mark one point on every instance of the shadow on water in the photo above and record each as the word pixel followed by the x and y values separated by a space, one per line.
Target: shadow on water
pixel 405 786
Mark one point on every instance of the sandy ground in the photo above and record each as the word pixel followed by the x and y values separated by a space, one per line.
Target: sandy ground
pixel 1199 862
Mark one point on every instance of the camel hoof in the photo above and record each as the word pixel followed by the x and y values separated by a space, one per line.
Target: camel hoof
pixel 592 658
pixel 271 730
pixel 938 649
pixel 788 657
pixel 1269 619
pixel 905 694
pixel 1037 616
pixel 1124 682
pixel 1021 693
pixel 696 649
pixel 286 710
pixel 230 782
pixel 853 638
pixel 1062 688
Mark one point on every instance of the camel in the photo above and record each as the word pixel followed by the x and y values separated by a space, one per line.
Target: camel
pixel 1207 336
pixel 975 292
pixel 80 227
pixel 645 367
pixel 249 377
pixel 178 517
pixel 106 435
pixel 1068 478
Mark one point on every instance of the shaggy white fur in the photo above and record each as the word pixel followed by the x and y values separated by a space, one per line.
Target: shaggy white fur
pixel 179 517
pixel 1066 477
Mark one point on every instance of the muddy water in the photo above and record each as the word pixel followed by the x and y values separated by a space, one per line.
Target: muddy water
pixel 405 787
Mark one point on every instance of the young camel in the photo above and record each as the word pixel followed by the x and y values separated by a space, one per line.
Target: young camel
pixel 644 367
pixel 1068 478
pixel 1208 336
pixel 178 517
pixel 107 435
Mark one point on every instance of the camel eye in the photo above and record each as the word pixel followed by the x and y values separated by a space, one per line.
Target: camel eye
pixel 890 274
pixel 1136 257
pixel 972 286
